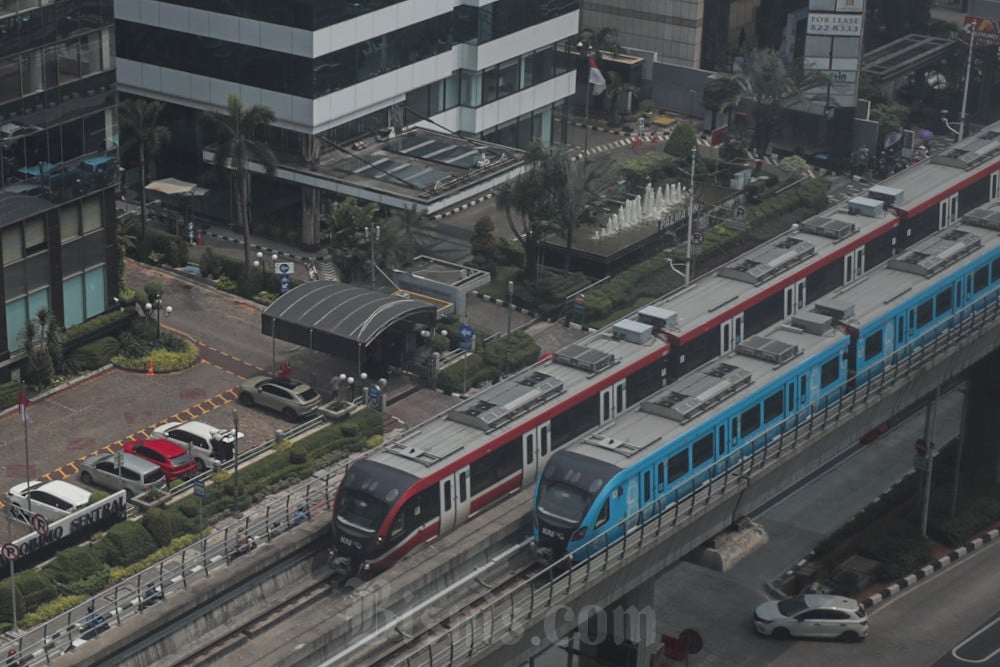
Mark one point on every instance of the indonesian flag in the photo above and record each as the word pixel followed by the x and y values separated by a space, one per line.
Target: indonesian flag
pixel 22 407
pixel 596 78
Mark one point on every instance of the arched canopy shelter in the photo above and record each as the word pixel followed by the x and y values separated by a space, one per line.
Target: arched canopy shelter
pixel 371 328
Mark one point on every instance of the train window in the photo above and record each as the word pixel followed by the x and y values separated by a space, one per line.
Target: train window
pixel 677 466
pixel 396 529
pixel 647 485
pixel 995 270
pixel 802 386
pixel 873 346
pixel 603 514
pixel 529 447
pixel 462 493
pixel 661 475
pixel 750 420
pixel 829 372
pixel 980 279
pixel 702 451
pixel 447 495
pixel 772 407
pixel 495 466
pixel 543 440
pixel 942 302
pixel 644 382
pixel 575 421
pixel 429 505
pixel 925 313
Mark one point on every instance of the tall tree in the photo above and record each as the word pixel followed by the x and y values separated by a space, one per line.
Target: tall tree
pixel 616 88
pixel 769 86
pixel 347 221
pixel 237 147
pixel 721 94
pixel 140 128
pixel 554 194
pixel 600 39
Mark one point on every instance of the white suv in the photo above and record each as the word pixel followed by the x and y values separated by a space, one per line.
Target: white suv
pixel 812 615
pixel 209 446
pixel 53 500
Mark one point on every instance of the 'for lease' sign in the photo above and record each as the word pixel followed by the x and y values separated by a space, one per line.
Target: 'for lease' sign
pixel 841 25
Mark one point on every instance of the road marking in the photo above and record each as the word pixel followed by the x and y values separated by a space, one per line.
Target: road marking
pixel 986 627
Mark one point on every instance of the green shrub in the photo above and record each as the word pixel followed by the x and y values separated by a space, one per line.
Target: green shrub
pixel 112 320
pixel 51 609
pixel 9 392
pixel 74 564
pixel 36 587
pixel 91 356
pixel 164 361
pixel 164 247
pixel 126 542
pixel 227 284
pixel 649 168
pixel 899 549
pixel 210 264
pixel 298 455
pixel 160 526
pixel 470 372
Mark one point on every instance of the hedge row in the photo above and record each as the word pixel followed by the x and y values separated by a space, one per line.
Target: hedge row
pixel 160 247
pixel 91 356
pixel 9 392
pixel 164 361
pixel 653 277
pixel 501 357
pixel 129 547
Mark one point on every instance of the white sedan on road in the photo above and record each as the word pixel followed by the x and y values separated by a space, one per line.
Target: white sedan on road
pixel 812 615
pixel 53 500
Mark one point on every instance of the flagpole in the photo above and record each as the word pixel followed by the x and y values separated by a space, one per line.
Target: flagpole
pixel 22 404
pixel 13 585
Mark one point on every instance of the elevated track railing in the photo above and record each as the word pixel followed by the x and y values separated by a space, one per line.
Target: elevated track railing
pixel 480 628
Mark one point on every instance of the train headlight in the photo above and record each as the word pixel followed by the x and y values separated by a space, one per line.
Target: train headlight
pixel 366 566
pixel 578 535
pixel 379 539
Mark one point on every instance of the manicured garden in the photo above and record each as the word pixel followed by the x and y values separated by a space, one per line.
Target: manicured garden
pixel 128 547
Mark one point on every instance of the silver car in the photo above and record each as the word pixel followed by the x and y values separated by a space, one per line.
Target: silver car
pixel 293 399
pixel 812 615
pixel 137 474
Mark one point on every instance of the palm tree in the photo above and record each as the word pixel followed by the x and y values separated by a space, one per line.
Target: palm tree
pixel 616 87
pixel 138 119
pixel 237 146
pixel 414 226
pixel 575 188
pixel 527 203
pixel 347 221
pixel 721 94
pixel 769 85
pixel 600 39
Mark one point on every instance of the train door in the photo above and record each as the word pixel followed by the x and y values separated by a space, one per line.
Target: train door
pixel 994 185
pixel 648 495
pixel 854 265
pixel 536 447
pixel 632 502
pixel 454 500
pixel 612 401
pixel 948 211
pixel 795 297
pixel 731 333
pixel 731 429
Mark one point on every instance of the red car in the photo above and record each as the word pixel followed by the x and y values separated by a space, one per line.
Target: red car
pixel 173 459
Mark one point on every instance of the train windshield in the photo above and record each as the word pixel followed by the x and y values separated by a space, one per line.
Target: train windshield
pixel 569 484
pixel 368 492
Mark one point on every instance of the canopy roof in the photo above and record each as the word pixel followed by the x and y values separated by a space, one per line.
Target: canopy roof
pixel 326 315
pixel 175 186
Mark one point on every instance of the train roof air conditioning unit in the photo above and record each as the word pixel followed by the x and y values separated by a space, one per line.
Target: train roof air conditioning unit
pixel 865 206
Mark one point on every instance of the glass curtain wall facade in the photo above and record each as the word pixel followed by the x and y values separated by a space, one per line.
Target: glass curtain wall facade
pixel 58 164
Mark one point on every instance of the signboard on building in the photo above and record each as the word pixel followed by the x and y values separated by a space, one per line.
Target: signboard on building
pixel 95 515
pixel 857 6
pixel 834 24
pixel 987 30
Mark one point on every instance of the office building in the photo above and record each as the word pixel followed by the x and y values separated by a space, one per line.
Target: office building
pixel 58 169
pixel 345 79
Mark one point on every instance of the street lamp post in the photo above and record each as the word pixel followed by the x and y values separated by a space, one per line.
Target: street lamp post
pixel 687 257
pixel 236 464
pixel 691 92
pixel 372 233
pixel 157 304
pixel 510 302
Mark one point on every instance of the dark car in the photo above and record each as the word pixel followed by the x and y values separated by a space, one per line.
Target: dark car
pixel 173 459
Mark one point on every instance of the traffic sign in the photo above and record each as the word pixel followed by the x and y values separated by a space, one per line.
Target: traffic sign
pixel 286 282
pixel 10 552
pixel 465 332
pixel 284 268
pixel 198 486
pixel 697 238
pixel 740 212
pixel 580 298
pixel 40 524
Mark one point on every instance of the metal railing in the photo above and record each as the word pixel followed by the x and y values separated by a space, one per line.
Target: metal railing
pixel 175 573
pixel 483 627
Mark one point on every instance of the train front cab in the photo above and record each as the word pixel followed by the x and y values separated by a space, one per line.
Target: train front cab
pixel 564 502
pixel 367 498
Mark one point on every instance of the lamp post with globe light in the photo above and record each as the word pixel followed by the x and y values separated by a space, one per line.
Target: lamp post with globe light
pixel 157 305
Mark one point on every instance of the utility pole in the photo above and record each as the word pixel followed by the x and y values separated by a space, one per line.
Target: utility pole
pixel 373 232
pixel 687 257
